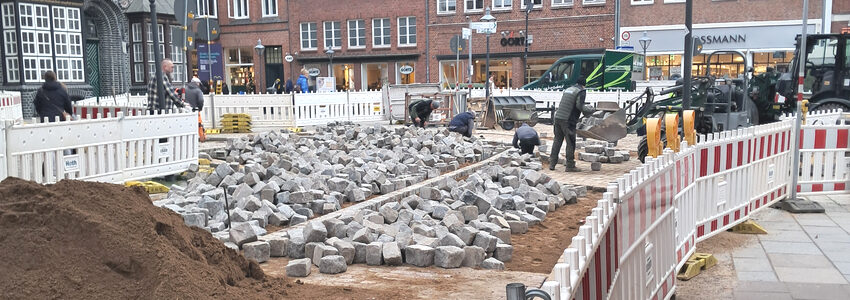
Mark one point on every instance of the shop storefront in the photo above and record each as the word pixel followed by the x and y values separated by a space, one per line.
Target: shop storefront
pixel 405 72
pixel 374 75
pixel 239 70
pixel 764 44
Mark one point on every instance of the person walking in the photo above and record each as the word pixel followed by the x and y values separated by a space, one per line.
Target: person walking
pixel 420 110
pixel 52 100
pixel 289 86
pixel 194 95
pixel 171 98
pixel 463 123
pixel 302 85
pixel 526 138
pixel 566 120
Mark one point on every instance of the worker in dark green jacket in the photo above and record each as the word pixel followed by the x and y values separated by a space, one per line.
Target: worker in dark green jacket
pixel 566 120
pixel 420 111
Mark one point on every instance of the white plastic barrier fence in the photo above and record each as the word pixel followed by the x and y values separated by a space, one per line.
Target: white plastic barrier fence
pixel 110 149
pixel 104 111
pixel 824 164
pixel 323 108
pixel 10 106
pixel 266 110
pixel 122 100
pixel 647 224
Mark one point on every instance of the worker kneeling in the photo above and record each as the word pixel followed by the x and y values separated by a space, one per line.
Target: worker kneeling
pixel 526 139
pixel 420 111
pixel 463 123
pixel 566 121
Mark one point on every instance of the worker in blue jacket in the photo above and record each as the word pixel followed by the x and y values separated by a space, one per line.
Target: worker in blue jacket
pixel 526 138
pixel 463 123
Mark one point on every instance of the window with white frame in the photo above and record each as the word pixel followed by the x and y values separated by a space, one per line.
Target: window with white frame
pixel 269 8
pixel 556 3
pixel 381 33
pixel 589 2
pixel 333 34
pixel 642 2
pixel 308 36
pixel 8 10
pixel 178 56
pixel 42 17
pixel 238 9
pixel 150 49
pixel 356 33
pixel 26 15
pixel 474 6
pixel 537 3
pixel 10 41
pixel 138 52
pixel 674 1
pixel 60 40
pixel 28 43
pixel 207 8
pixel 503 4
pixel 407 31
pixel 446 6
pixel 12 70
pixel 68 44
pixel 59 18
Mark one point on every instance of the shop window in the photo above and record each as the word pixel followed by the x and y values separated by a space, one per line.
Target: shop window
pixel 667 67
pixel 406 67
pixel 240 69
pixel 779 61
pixel 536 68
pixel 501 71
pixel 449 74
pixel 374 75
pixel 344 76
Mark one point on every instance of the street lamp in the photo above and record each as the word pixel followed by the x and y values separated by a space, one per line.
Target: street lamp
pixel 487 18
pixel 644 43
pixel 528 7
pixel 160 89
pixel 330 53
pixel 260 49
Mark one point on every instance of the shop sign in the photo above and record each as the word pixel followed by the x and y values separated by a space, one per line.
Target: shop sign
pixel 289 58
pixel 723 39
pixel 512 41
pixel 325 84
pixel 313 72
pixel 72 163
pixel 210 62
pixel 406 69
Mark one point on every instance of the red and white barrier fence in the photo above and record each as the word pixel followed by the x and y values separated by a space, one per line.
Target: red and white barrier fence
pixel 10 106
pixel 825 165
pixel 647 224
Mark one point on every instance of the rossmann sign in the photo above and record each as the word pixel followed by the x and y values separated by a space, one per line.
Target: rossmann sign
pixel 723 39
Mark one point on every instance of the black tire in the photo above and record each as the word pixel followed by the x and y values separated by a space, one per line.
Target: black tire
pixel 533 120
pixel 832 106
pixel 642 150
pixel 753 110
pixel 507 124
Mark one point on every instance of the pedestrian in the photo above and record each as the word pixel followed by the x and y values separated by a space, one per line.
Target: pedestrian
pixel 171 98
pixel 526 138
pixel 289 86
pixel 194 95
pixel 463 123
pixel 420 111
pixel 52 100
pixel 225 90
pixel 303 85
pixel 566 120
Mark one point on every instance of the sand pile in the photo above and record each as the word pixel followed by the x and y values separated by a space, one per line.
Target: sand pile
pixel 92 240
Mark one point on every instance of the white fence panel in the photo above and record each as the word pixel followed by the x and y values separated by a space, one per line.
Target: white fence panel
pixel 825 165
pixel 365 106
pixel 266 110
pixel 10 106
pixel 110 149
pixel 320 108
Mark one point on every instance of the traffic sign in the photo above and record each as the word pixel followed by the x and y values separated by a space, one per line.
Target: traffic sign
pixel 626 35
pixel 185 11
pixel 456 44
pixel 466 33
pixel 207 28
pixel 483 27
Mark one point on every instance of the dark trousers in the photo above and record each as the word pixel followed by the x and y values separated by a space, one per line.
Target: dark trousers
pixel 564 130
pixel 463 130
pixel 526 146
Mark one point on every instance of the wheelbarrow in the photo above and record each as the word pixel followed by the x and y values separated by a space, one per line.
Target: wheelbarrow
pixel 512 111
pixel 612 126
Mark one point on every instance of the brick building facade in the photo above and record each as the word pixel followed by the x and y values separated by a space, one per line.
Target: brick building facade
pixel 379 42
pixel 763 30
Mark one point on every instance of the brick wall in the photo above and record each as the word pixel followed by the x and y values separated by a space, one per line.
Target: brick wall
pixel 713 11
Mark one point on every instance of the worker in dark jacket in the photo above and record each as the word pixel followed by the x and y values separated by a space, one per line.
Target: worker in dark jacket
pixel 420 111
pixel 52 100
pixel 463 123
pixel 526 139
pixel 566 120
pixel 194 95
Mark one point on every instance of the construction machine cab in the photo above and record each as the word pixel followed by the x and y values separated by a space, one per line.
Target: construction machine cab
pixel 827 72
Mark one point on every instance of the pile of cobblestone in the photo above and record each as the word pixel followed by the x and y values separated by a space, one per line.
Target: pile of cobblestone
pixel 285 179
pixel 597 153
pixel 454 223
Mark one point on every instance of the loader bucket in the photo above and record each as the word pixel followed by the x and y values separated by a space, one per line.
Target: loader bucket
pixel 611 129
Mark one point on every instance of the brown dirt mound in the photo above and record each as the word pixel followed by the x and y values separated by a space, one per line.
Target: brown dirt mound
pixel 76 239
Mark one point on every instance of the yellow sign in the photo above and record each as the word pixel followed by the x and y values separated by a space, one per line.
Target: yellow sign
pixel 376 108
